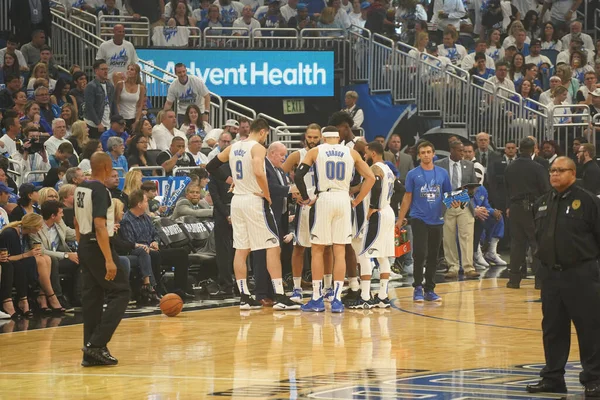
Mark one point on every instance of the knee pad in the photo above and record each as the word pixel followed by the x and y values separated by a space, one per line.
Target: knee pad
pixel 365 265
pixel 384 265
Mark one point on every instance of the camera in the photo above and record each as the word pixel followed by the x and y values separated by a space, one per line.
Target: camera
pixel 37 145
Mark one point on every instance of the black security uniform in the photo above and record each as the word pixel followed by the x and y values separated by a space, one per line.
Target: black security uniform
pixel 568 236
pixel 92 200
pixel 524 181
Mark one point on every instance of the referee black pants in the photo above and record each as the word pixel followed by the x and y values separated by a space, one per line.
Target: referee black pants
pixel 426 245
pixel 99 326
pixel 571 295
pixel 224 249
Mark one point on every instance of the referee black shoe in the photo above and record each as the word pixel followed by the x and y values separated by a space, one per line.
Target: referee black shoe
pixel 547 386
pixel 249 303
pixel 99 354
pixel 281 303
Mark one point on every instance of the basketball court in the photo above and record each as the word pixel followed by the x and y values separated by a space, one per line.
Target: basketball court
pixel 482 342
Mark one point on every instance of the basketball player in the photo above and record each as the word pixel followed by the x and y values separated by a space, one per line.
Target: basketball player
pixel 252 220
pixel 94 224
pixel 312 138
pixel 331 212
pixel 378 240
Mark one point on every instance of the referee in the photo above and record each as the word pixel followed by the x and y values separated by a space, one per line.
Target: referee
pixel 94 224
pixel 568 236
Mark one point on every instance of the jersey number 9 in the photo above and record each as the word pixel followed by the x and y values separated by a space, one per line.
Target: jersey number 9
pixel 239 170
pixel 335 170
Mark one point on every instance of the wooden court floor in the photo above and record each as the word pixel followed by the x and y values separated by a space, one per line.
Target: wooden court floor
pixel 483 341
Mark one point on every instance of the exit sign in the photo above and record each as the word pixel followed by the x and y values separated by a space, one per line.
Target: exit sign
pixel 293 106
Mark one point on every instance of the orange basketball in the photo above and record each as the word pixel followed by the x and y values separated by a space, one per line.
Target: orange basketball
pixel 171 304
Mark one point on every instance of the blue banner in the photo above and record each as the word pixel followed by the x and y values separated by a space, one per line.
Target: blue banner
pixel 246 73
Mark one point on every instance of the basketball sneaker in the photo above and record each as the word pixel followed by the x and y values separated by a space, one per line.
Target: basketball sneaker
pixel 314 305
pixel 362 304
pixel 337 306
pixel 395 276
pixel 418 294
pixel 328 297
pixel 351 296
pixel 282 302
pixel 296 296
pixel 249 303
pixel 431 296
pixel 381 303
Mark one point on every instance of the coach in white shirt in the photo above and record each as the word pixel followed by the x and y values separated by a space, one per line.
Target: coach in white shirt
pixel 187 89
pixel 164 132
pixel 118 52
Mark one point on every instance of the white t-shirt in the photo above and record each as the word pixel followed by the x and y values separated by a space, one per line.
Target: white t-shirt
pixel 106 115
pixel 230 13
pixel 495 53
pixel 240 23
pixel 539 60
pixel 51 145
pixel 560 9
pixel 51 83
pixel 192 92
pixel 118 57
pixel 10 146
pixel 456 54
pixel 163 138
pixel 288 12
pixel 200 158
pixel 468 62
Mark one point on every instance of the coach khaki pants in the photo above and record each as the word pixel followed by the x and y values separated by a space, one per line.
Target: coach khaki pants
pixel 458 231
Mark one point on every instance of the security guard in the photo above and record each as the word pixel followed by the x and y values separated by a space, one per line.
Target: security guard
pixel 567 223
pixel 525 181
pixel 94 224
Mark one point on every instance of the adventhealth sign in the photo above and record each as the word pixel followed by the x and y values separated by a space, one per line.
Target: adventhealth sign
pixel 231 73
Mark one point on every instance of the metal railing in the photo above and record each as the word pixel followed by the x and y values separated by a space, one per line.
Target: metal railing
pixel 226 37
pixel 359 41
pixel 291 136
pixel 235 110
pixel 566 122
pixel 158 168
pixel 405 81
pixel 137 31
pixel 273 124
pixel 383 64
pixel 274 38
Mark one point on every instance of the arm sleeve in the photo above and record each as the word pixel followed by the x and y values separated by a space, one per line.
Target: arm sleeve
pixel 213 168
pixel 301 171
pixel 375 193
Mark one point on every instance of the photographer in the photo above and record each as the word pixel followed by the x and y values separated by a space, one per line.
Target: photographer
pixel 31 154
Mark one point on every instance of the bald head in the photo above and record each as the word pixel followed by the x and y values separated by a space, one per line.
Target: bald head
pixel 118 34
pixel 276 154
pixel 101 164
pixel 562 174
pixel 565 162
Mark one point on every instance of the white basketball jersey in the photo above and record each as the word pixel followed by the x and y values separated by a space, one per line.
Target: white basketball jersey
pixel 240 161
pixel 333 168
pixel 387 185
pixel 309 178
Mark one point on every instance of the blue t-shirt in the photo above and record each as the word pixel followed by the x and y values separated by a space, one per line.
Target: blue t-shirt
pixel 428 188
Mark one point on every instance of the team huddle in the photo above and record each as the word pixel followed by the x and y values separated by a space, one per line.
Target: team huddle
pixel 339 213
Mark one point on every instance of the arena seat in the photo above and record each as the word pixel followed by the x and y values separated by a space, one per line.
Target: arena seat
pixel 151 156
pixel 197 232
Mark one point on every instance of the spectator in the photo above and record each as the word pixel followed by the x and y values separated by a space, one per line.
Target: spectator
pixel 138 149
pixel 151 9
pixel 42 98
pixel 59 129
pixel 46 58
pixel 469 61
pixel 201 13
pixel 224 142
pixel 52 179
pixel 480 69
pixel 61 155
pixel 10 67
pixel 583 95
pixel 564 57
pixel 188 90
pixel 164 133
pixel 192 204
pixel 61 94
pixel 66 194
pixel 133 181
pixel 13 85
pixel 230 11
pixel 74 176
pixel 99 101
pixel 247 21
pixel 527 92
pixel 358 16
pixel 535 56
pixel 590 171
pixel 30 19
pixel 351 108
pixel 494 46
pixel 546 97
pixel 27 203
pixel 130 96
pixel 112 183
pixel 21 267
pixel 40 70
pixel 110 8
pixel 137 227
pixel 289 10
pixel 181 15
pixel 32 113
pixel 530 73
pixel 32 157
pixel 154 207
pixel 79 136
pixel 455 52
pixel 117 129
pixel 517 68
pixel 551 151
pixel 448 13
pixel 579 65
pixel 144 128
pixel 171 8
pixel 193 123
pixel 341 14
pixel 31 50
pixel 556 108
pixel 212 21
pixel 12 45
pixel 118 52
pixel 531 25
pixel 90 148
pixel 194 146
pixel 509 54
pixel 20 100
pixel 576 32
pixel 78 92
pixel 243 129
pixel 231 126
pixel 115 148
pixel 8 145
pixel 328 20
pixel 175 156
pixel 5 193
pixel 402 161
pixel 68 113
pixel 501 77
pixel 550 40
pixel 568 82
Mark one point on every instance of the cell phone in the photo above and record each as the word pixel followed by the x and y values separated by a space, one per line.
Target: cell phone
pixel 193 126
